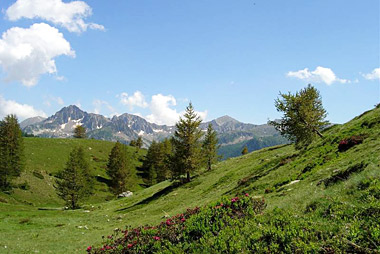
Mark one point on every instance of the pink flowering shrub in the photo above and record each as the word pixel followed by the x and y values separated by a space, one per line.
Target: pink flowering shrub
pixel 347 143
pixel 188 226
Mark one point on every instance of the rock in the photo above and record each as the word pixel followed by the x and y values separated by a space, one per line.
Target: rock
pixel 125 194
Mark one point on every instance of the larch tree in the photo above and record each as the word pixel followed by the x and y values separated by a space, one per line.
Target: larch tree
pixel 118 168
pixel 304 116
pixel 187 145
pixel 210 147
pixel 11 151
pixel 74 182
pixel 80 132
pixel 245 150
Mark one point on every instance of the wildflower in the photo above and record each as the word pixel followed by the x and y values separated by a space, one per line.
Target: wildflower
pixel 89 248
pixel 129 245
pixel 246 194
pixel 183 219
pixel 168 222
pixel 108 247
pixel 157 238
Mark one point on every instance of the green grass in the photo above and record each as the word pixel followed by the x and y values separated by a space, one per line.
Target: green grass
pixel 286 178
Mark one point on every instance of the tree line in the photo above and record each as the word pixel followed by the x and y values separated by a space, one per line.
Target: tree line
pixel 176 158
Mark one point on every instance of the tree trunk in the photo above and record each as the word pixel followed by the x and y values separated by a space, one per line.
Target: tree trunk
pixel 72 202
pixel 188 176
pixel 209 165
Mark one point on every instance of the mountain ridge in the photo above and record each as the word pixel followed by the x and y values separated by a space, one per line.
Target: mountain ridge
pixel 127 127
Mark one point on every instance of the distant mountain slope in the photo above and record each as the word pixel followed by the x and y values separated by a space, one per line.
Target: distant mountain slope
pixel 127 127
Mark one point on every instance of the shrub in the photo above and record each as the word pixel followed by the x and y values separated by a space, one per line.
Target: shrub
pixel 347 143
pixel 189 226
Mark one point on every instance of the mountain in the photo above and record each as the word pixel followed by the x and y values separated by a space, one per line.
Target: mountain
pixel 127 127
pixel 30 121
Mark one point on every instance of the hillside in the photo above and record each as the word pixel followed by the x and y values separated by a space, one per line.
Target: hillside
pixel 46 156
pixel 295 181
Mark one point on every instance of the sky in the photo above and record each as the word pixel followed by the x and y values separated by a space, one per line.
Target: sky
pixel 151 58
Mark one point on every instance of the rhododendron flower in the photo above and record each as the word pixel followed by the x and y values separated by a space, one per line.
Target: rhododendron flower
pixel 129 245
pixel 183 219
pixel 108 247
pixel 157 238
pixel 246 194
pixel 168 222
pixel 89 248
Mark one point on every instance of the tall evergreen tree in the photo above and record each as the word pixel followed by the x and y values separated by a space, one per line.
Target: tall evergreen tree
pixel 80 132
pixel 304 116
pixel 186 142
pixel 11 151
pixel 210 147
pixel 118 168
pixel 74 182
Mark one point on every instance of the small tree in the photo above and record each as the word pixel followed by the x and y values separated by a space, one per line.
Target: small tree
pixel 186 143
pixel 74 182
pixel 117 168
pixel 210 147
pixel 245 150
pixel 80 132
pixel 303 116
pixel 139 142
pixel 11 151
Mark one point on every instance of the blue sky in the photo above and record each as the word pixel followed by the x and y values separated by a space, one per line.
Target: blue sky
pixel 150 57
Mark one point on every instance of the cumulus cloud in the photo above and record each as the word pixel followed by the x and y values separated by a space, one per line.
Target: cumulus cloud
pixel 162 111
pixel 319 75
pixel 375 74
pixel 22 111
pixel 27 53
pixel 135 100
pixel 68 15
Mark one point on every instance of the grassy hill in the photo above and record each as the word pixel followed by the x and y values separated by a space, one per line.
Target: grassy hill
pixel 295 181
pixel 45 157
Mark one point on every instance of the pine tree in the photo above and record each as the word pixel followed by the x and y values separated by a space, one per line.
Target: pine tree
pixel 74 182
pixel 245 150
pixel 80 132
pixel 117 168
pixel 210 147
pixel 303 116
pixel 186 142
pixel 11 151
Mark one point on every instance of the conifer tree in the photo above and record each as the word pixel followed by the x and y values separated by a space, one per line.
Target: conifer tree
pixel 210 147
pixel 304 116
pixel 186 142
pixel 11 151
pixel 80 132
pixel 118 168
pixel 245 150
pixel 74 182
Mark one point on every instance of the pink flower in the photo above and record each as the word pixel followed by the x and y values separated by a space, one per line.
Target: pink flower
pixel 233 200
pixel 89 248
pixel 168 222
pixel 157 238
pixel 183 219
pixel 246 194
pixel 129 245
pixel 108 247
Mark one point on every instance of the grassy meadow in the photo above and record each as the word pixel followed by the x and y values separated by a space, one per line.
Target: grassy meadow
pixel 32 221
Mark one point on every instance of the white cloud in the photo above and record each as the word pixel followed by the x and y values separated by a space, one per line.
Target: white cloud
pixel 135 100
pixel 27 53
pixel 319 75
pixel 99 105
pixel 375 74
pixel 162 111
pixel 22 111
pixel 68 15
pixel 50 99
